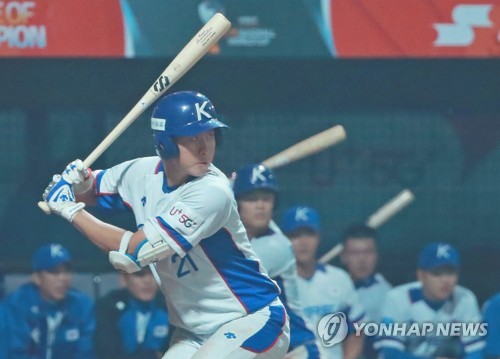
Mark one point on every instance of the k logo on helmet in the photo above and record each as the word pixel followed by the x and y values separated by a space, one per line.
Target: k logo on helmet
pixel 302 215
pixel 258 174
pixel 200 110
pixel 332 329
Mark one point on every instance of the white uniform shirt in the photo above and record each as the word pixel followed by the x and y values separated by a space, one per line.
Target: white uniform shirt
pixel 371 293
pixel 214 276
pixel 330 290
pixel 406 304
pixel 277 256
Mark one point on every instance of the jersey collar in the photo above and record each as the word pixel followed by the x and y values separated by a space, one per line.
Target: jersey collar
pixel 366 282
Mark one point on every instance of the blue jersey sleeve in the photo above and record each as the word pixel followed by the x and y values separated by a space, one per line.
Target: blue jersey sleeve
pixel 108 201
pixel 4 333
pixel 492 318
pixel 392 353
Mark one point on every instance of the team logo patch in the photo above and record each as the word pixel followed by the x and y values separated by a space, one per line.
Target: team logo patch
pixel 160 331
pixel 183 219
pixel 230 335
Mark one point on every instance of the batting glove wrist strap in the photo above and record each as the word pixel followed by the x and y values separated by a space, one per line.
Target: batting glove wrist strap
pixel 60 198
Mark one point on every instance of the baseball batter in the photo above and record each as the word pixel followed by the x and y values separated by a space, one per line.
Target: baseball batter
pixel 256 188
pixel 221 301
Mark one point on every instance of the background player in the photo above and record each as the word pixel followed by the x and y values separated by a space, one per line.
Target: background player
pixel 434 298
pixel 256 188
pixel 132 322
pixel 491 312
pixel 360 258
pixel 221 302
pixel 46 317
pixel 323 289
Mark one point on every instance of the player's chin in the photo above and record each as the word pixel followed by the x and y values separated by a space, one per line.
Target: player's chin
pixel 445 293
pixel 199 169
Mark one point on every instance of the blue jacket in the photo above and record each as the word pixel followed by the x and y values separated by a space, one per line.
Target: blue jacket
pixel 118 327
pixel 27 319
pixel 4 332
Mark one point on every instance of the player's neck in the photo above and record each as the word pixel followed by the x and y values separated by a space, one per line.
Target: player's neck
pixel 256 232
pixel 174 173
pixel 306 270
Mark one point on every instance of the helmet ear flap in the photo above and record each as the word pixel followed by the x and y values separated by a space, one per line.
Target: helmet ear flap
pixel 166 148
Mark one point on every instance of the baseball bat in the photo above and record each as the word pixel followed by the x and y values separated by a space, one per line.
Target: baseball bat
pixel 379 217
pixel 307 147
pixel 194 50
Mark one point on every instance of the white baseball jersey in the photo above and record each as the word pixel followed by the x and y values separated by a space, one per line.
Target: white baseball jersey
pixel 214 276
pixel 407 304
pixel 371 292
pixel 330 290
pixel 277 256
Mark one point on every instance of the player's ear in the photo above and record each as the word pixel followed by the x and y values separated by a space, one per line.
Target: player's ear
pixel 35 277
pixel 420 275
pixel 122 280
pixel 342 258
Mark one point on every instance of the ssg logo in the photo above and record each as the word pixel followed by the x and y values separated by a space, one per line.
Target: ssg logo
pixel 461 32
pixel 230 335
pixel 332 329
pixel 161 84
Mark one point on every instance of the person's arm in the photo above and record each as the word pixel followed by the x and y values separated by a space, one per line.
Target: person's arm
pixel 492 318
pixel 352 346
pixel 104 235
pixel 393 353
pixel 391 346
pixel 4 333
pixel 468 312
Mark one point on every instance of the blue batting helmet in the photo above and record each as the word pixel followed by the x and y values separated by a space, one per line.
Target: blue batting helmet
pixel 253 177
pixel 185 113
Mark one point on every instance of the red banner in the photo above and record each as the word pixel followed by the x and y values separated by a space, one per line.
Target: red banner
pixel 415 28
pixel 59 28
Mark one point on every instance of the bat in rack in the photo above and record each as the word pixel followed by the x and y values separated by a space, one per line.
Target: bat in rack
pixel 307 147
pixel 379 217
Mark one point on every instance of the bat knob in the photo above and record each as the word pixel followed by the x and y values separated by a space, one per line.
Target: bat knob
pixel 44 207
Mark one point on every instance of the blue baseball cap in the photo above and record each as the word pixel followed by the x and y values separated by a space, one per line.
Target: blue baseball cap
pixel 299 217
pixel 438 254
pixel 50 256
